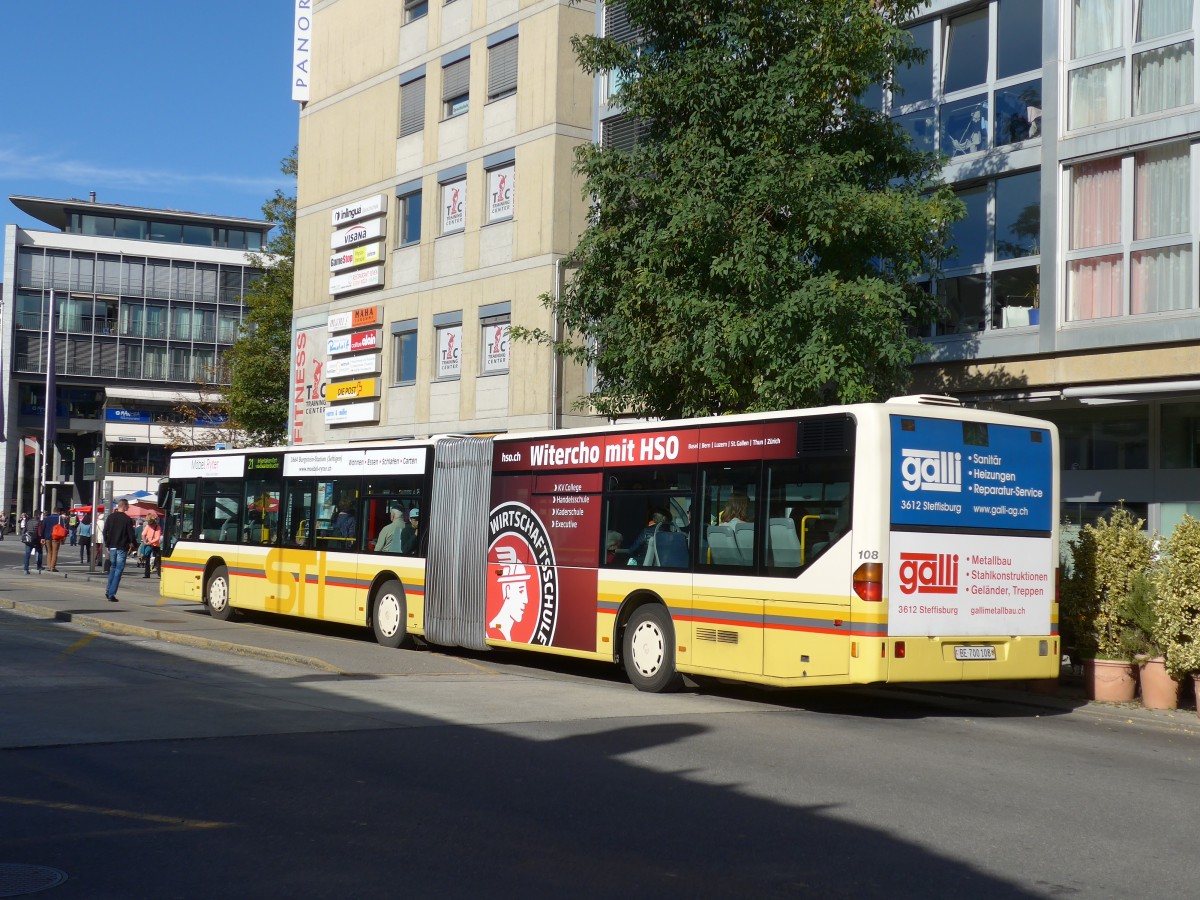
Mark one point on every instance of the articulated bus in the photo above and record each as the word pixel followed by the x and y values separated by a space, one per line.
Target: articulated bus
pixel 912 540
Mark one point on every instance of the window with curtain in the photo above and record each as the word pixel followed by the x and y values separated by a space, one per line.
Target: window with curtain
pixel 1162 78
pixel 1095 26
pixel 1159 18
pixel 1096 94
pixel 1132 262
pixel 1129 65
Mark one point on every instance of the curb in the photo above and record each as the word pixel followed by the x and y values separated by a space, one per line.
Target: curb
pixel 173 637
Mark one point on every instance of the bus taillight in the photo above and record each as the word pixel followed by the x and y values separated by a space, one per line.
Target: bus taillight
pixel 868 582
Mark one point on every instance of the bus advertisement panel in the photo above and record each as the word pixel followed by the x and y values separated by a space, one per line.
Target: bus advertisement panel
pixel 972 507
pixel 544 530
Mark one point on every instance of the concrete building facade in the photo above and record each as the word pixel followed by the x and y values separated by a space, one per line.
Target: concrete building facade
pixel 435 199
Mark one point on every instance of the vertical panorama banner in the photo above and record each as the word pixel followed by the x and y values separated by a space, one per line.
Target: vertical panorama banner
pixel 301 50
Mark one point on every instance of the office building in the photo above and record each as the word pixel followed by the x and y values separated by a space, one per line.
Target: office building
pixel 147 303
pixel 435 199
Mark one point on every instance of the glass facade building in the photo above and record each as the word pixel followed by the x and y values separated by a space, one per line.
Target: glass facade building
pixel 146 305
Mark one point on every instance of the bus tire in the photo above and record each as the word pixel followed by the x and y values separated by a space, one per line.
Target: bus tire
pixel 216 594
pixel 648 650
pixel 389 615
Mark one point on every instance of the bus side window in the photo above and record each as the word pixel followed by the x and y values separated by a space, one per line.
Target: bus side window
pixel 729 516
pixel 809 505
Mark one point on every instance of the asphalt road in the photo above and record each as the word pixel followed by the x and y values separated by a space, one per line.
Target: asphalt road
pixel 141 766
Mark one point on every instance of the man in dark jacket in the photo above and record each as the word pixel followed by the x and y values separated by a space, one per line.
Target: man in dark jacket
pixel 118 537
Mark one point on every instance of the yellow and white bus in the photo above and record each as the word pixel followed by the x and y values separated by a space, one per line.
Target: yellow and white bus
pixel 913 540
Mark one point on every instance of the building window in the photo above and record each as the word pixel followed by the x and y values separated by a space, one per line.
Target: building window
pixel 456 84
pixel 1131 261
pixel 404 353
pixel 1102 437
pixel 992 280
pixel 621 132
pixel 415 9
pixel 495 344
pixel 502 70
pixel 978 85
pixel 1117 70
pixel 412 107
pixel 410 218
pixel 449 349
pixel 454 205
pixel 501 182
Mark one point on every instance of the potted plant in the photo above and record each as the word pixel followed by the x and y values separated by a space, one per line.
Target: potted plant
pixel 1104 560
pixel 1142 639
pixel 1178 586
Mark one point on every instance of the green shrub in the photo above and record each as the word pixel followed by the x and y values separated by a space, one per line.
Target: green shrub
pixel 1105 559
pixel 1178 584
pixel 1140 637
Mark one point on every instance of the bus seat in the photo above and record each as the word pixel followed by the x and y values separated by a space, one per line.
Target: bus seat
pixel 672 549
pixel 743 538
pixel 722 546
pixel 785 545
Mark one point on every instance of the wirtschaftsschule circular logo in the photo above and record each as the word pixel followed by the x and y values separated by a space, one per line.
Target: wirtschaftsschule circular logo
pixel 522 580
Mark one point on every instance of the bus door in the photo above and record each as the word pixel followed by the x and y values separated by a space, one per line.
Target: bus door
pixel 806 570
pixel 728 598
pixel 313 571
pixel 258 532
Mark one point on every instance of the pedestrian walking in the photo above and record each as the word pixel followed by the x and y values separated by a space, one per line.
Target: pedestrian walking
pixel 118 537
pixel 152 542
pixel 98 541
pixel 85 538
pixel 73 527
pixel 33 542
pixel 53 532
pixel 3 524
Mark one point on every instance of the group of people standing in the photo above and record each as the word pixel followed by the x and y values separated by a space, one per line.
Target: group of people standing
pixel 117 535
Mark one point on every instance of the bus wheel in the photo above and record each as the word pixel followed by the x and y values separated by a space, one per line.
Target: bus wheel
pixel 389 613
pixel 648 650
pixel 216 594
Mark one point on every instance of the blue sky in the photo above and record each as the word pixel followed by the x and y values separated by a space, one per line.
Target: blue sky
pixel 170 104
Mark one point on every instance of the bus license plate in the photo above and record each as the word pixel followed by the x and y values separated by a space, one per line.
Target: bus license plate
pixel 965 653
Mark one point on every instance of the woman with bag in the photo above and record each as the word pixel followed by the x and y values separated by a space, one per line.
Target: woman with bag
pixel 152 545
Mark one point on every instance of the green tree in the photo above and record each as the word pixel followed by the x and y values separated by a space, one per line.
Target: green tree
pixel 260 358
pixel 756 248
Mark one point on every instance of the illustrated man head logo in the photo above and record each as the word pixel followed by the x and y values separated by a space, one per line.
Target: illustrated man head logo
pixel 514 590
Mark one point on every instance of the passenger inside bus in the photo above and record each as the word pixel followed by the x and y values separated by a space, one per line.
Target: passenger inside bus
pixel 389 536
pixel 409 537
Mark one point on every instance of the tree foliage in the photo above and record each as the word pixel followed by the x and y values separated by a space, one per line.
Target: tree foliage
pixel 205 420
pixel 755 250
pixel 261 356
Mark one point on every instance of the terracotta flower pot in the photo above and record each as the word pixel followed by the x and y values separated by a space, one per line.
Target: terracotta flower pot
pixel 1159 689
pixel 1110 680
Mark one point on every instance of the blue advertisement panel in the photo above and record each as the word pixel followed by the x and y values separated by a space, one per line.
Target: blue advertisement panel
pixel 958 474
pixel 137 416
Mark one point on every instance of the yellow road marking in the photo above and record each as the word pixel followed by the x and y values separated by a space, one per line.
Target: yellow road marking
pixel 116 813
pixel 79 644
